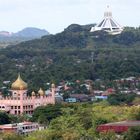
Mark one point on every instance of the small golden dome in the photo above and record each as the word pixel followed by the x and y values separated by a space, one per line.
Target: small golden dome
pixel 41 92
pixel 33 93
pixel 19 84
pixel 53 85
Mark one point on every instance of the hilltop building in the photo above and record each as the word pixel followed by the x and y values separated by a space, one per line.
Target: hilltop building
pixel 108 24
pixel 19 102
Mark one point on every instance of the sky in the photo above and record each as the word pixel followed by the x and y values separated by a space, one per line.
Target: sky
pixel 56 15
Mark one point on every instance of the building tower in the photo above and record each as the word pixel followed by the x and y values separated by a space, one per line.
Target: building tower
pixel 19 91
pixel 108 24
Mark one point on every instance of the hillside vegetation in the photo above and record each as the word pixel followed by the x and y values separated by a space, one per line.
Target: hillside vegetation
pixel 73 54
pixel 79 122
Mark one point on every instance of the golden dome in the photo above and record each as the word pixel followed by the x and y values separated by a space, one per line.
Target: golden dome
pixel 19 84
pixel 33 93
pixel 53 85
pixel 41 92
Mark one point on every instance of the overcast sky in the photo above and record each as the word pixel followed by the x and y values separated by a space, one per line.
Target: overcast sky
pixel 55 15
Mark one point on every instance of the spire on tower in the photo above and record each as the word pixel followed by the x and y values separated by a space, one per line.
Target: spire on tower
pixel 108 13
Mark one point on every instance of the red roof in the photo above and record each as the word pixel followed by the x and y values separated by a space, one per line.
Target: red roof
pixel 117 127
pixel 110 90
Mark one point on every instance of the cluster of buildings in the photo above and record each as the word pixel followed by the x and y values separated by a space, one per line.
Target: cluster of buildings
pixel 130 85
pixel 19 102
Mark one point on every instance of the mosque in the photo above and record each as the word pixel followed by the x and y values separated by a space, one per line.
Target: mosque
pixel 20 103
pixel 108 24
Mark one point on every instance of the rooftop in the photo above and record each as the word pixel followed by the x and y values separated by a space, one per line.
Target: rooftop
pixel 123 123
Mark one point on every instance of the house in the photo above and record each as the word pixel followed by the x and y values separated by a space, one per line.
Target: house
pixel 20 128
pixel 71 100
pixel 100 97
pixel 80 97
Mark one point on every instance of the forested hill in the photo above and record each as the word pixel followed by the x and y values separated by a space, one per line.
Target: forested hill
pixel 77 36
pixel 73 54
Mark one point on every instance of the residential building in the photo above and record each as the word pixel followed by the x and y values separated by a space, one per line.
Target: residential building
pixel 20 128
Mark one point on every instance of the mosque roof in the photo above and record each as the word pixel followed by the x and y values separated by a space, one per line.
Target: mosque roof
pixel 19 84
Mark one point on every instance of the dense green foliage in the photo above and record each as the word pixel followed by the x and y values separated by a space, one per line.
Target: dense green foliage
pixel 44 115
pixel 11 136
pixel 79 121
pixel 118 99
pixel 67 56
pixel 4 118
pixel 133 134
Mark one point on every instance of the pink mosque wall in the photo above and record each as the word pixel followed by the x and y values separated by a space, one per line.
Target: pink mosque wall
pixel 24 104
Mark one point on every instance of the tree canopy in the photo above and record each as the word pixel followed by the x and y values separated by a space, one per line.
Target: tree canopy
pixel 73 54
